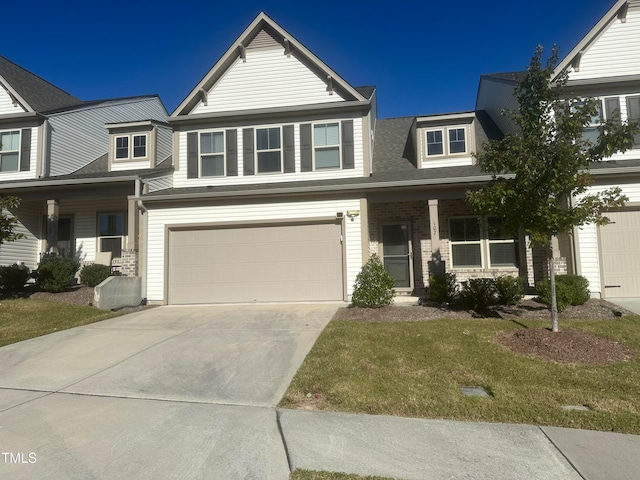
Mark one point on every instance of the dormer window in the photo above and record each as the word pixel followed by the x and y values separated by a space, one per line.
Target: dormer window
pixel 446 141
pixel 131 147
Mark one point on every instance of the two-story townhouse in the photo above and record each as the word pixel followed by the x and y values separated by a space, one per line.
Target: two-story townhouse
pixel 73 165
pixel 605 64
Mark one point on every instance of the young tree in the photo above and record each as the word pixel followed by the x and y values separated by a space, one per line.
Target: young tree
pixel 541 173
pixel 8 223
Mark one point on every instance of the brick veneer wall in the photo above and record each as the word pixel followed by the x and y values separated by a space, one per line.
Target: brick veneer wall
pixel 129 263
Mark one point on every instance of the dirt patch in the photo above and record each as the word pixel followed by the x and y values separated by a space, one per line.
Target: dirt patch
pixel 74 295
pixel 566 346
pixel 593 309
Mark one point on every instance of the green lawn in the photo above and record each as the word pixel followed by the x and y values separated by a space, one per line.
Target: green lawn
pixel 21 319
pixel 415 369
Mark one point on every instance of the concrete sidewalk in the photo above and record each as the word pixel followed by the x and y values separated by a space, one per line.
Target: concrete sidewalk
pixel 420 449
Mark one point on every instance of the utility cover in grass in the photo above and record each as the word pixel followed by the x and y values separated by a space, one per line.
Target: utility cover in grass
pixel 474 392
pixel 579 408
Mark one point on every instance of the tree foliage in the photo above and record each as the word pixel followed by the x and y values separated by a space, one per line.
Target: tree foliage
pixel 541 172
pixel 8 223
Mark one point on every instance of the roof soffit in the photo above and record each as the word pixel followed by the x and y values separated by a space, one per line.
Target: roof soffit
pixel 264 23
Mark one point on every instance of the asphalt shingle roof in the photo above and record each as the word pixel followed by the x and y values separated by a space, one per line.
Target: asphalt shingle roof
pixel 39 94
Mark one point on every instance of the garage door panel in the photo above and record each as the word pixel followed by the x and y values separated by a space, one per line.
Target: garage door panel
pixel 265 263
pixel 620 245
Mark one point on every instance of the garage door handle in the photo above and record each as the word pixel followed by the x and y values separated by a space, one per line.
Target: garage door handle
pixel 612 286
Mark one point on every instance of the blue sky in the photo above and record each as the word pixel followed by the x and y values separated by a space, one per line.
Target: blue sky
pixel 424 56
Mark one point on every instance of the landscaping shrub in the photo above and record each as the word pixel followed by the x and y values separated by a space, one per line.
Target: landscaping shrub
pixel 374 285
pixel 509 290
pixel 479 294
pixel 13 277
pixel 94 274
pixel 55 273
pixel 570 290
pixel 443 288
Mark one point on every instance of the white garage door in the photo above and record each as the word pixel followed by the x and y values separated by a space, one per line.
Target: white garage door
pixel 620 244
pixel 256 264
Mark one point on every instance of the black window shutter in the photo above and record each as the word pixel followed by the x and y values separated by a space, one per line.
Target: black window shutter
pixel 612 108
pixel 232 152
pixel 306 148
pixel 247 154
pixel 25 150
pixel 348 154
pixel 633 113
pixel 192 155
pixel 289 149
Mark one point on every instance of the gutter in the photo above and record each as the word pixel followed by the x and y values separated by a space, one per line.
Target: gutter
pixel 321 189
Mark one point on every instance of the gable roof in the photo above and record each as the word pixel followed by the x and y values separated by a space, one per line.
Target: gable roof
pixel 264 23
pixel 31 91
pixel 618 10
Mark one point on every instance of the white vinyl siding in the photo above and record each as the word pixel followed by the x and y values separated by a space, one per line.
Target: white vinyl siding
pixel 267 79
pixel 181 180
pixel 615 52
pixel 6 103
pixel 27 174
pixel 494 96
pixel 25 250
pixel 160 183
pixel 158 219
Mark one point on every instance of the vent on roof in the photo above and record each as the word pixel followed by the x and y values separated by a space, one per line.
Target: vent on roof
pixel 264 40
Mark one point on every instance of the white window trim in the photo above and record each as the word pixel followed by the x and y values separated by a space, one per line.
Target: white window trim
pixel 130 157
pixel 224 153
pixel 256 151
pixel 121 237
pixel 445 141
pixel 485 245
pixel 19 151
pixel 339 145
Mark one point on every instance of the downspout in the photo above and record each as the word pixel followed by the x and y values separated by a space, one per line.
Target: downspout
pixel 46 150
pixel 138 191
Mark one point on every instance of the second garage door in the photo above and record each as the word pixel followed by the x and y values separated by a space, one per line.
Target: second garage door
pixel 301 262
pixel 620 251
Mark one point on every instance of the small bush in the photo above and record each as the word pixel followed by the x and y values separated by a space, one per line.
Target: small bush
pixel 374 285
pixel 55 273
pixel 94 274
pixel 509 290
pixel 13 277
pixel 479 294
pixel 443 288
pixel 570 290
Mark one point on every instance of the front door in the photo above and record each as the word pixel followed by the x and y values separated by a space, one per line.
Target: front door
pixel 397 254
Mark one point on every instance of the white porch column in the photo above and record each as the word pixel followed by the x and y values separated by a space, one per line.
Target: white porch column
pixel 53 214
pixel 435 265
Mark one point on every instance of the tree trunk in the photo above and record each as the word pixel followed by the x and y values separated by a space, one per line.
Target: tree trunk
pixel 554 302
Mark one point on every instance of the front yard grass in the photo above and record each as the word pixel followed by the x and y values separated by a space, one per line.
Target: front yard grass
pixel 416 369
pixel 23 318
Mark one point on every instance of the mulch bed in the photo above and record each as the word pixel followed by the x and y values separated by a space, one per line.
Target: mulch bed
pixel 566 346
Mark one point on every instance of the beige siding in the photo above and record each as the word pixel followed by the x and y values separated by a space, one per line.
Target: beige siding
pixel 181 180
pixel 225 214
pixel 616 52
pixel 267 79
pixel 31 173
pixel 25 250
pixel 85 214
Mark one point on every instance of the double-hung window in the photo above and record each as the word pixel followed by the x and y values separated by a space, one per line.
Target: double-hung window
pixel 129 147
pixel 326 144
pixel 446 141
pixel 591 131
pixel 478 242
pixel 10 151
pixel 212 160
pixel 269 150
pixel 111 233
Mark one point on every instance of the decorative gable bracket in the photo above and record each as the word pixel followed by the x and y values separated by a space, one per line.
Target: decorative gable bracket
pixel 287 48
pixel 14 100
pixel 575 63
pixel 622 13
pixel 243 53
pixel 203 96
pixel 330 84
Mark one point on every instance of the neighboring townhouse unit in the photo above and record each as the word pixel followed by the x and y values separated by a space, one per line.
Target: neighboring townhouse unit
pixel 606 65
pixel 73 164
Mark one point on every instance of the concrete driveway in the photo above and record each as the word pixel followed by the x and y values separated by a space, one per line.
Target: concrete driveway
pixel 170 392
